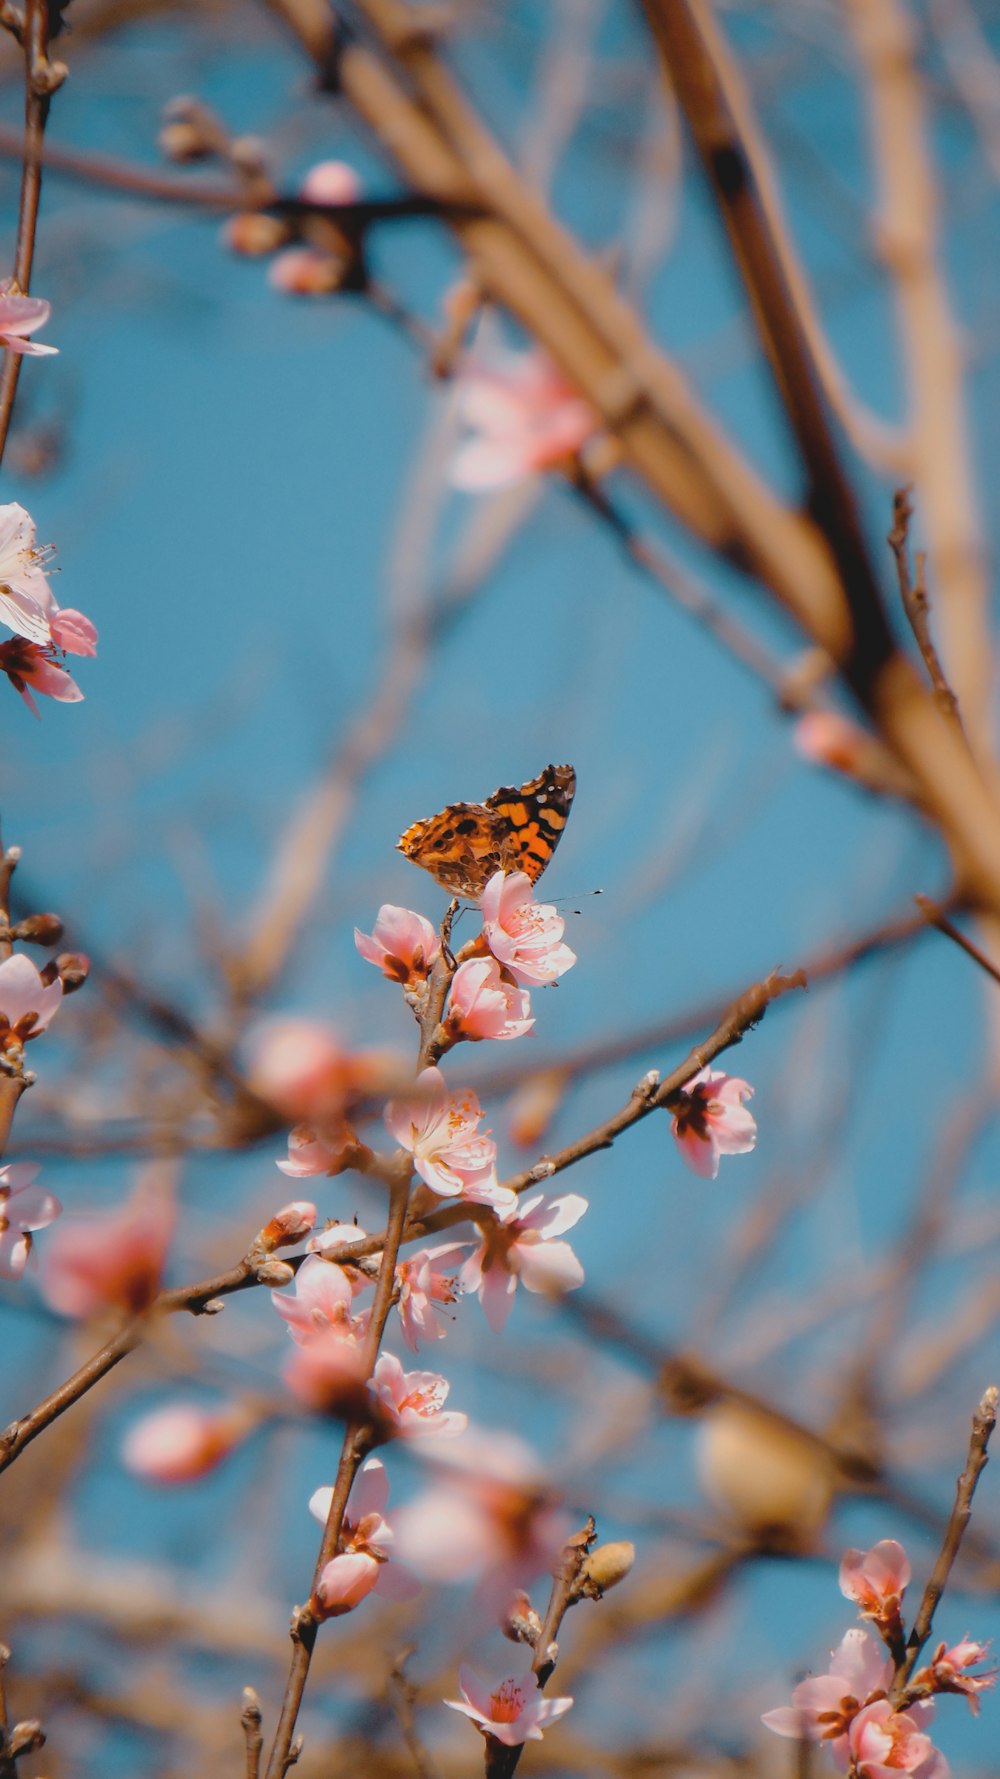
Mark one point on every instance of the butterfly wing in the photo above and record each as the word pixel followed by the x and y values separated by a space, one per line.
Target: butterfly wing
pixel 532 819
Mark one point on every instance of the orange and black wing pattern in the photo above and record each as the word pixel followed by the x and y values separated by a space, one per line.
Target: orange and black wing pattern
pixel 517 829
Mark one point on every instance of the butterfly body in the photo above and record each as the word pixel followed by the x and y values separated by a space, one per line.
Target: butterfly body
pixel 516 829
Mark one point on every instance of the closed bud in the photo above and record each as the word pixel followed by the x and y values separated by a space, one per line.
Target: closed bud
pixel 254 233
pixel 185 141
pixel 274 1273
pixel 607 1566
pixel 40 929
pixel 249 155
pixel 72 968
pixel 288 1225
pixel 24 1738
pixel 521 1623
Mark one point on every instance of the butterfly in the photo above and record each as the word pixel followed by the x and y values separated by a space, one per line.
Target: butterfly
pixel 517 829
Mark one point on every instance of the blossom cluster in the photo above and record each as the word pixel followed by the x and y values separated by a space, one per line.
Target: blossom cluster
pixel 874 1719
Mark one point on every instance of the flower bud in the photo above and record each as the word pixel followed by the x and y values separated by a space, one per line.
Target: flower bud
pixel 331 182
pixel 275 1273
pixel 72 968
pixel 184 141
pixel 290 1224
pixel 307 271
pixel 254 233
pixel 40 929
pixel 608 1565
pixel 521 1623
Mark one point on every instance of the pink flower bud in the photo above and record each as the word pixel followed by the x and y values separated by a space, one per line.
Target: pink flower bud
pixel 306 271
pixel 288 1225
pixel 331 182
pixel 181 1442
pixel 254 234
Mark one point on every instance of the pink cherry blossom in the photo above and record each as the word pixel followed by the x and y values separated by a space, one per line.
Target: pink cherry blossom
pixel 440 1130
pixel 413 1401
pixel 490 1513
pixel 946 1672
pixel 19 317
pixel 524 417
pixel 403 945
pixel 329 1373
pixel 520 1245
pixel 482 1005
pixel 327 1150
pixel 24 590
pixel 24 1208
pixel 425 1281
pixel 331 182
pixel 27 1002
pixel 301 1067
pixel 710 1120
pixel 824 1706
pixel 515 1712
pixel 884 1742
pixel 877 1579
pixel 341 1235
pixel 113 1261
pixel 182 1441
pixel 321 1304
pixel 33 667
pixel 524 936
pixel 362 1563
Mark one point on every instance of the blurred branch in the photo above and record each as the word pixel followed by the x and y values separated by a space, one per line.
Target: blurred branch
pixel 983 1423
pixel 42 78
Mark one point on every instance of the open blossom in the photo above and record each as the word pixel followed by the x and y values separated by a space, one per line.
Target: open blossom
pixel 490 1513
pixel 521 1245
pixel 524 936
pixel 413 1401
pixel 482 1005
pixel 823 1707
pixel 329 1149
pixel 24 590
pixel 33 667
pixel 19 317
pixel 883 1742
pixel 403 945
pixel 183 1441
pixel 524 417
pixel 362 1563
pixel 947 1672
pixel 112 1261
pixel 876 1580
pixel 440 1130
pixel 515 1712
pixel 27 1002
pixel 24 1208
pixel 322 1301
pixel 710 1120
pixel 426 1281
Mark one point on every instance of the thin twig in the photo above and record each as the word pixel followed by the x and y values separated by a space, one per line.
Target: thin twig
pixel 41 79
pixel 916 602
pixel 983 1423
pixel 250 1718
pixel 936 917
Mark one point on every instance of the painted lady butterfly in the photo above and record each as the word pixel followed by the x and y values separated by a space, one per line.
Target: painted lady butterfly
pixel 514 830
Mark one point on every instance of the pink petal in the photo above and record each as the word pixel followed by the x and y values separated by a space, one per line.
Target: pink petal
pixel 497 1296
pixel 549 1267
pixel 700 1155
pixel 480 464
